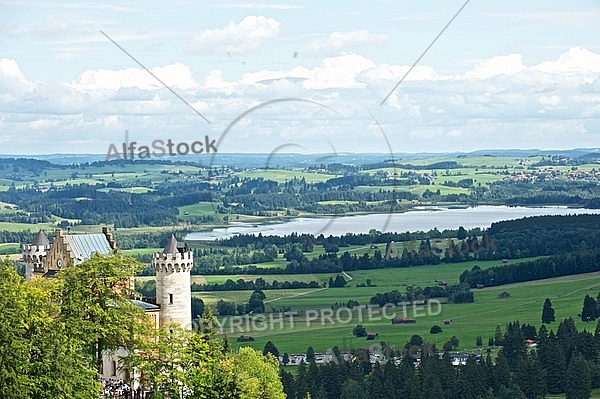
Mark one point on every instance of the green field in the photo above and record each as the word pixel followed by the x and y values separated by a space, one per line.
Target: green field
pixel 281 175
pixel 469 320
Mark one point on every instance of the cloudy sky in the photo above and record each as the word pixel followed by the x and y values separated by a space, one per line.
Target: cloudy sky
pixel 509 74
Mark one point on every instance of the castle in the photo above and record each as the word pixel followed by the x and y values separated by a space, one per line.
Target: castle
pixel 44 258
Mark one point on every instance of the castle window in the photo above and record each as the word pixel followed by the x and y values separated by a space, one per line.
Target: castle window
pixel 170 299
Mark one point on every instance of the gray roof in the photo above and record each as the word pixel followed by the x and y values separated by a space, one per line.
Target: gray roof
pixel 84 246
pixel 145 305
pixel 41 239
pixel 171 246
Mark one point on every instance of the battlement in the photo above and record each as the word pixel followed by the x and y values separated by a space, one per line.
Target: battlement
pixel 176 256
pixel 168 267
pixel 28 248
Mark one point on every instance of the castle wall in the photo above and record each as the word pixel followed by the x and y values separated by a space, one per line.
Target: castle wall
pixel 34 257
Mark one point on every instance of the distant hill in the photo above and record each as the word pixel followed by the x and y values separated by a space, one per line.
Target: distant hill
pixel 294 160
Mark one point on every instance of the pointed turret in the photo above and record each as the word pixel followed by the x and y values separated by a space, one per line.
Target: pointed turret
pixel 34 255
pixel 41 239
pixel 171 247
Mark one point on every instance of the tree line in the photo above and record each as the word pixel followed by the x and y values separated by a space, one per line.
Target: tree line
pixel 553 266
pixel 565 361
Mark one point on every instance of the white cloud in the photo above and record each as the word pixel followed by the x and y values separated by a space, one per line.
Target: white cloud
pixel 575 60
pixel 496 102
pixel 348 40
pixel 333 73
pixel 175 76
pixel 338 72
pixel 502 65
pixel 246 36
pixel 12 82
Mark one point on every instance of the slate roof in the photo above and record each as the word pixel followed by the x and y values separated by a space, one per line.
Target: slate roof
pixel 41 239
pixel 84 246
pixel 145 305
pixel 171 246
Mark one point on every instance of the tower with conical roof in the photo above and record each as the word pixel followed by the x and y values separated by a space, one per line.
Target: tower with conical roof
pixel 173 283
pixel 34 255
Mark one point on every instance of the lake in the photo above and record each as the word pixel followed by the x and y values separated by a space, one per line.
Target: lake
pixel 423 219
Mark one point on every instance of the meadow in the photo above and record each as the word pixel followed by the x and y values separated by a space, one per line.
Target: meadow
pixel 468 320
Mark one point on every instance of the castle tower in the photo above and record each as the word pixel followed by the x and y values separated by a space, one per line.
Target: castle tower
pixel 34 255
pixel 173 283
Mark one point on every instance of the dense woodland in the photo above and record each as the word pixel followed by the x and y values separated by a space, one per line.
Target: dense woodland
pixel 528 237
pixel 565 361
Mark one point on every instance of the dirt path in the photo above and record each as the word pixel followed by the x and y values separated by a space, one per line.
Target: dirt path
pixel 294 296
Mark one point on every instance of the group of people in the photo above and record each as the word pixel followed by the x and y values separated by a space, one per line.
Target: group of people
pixel 117 389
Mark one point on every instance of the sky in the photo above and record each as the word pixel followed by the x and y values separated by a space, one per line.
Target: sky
pixel 502 75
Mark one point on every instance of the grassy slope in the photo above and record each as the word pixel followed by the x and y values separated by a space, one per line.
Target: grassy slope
pixel 469 320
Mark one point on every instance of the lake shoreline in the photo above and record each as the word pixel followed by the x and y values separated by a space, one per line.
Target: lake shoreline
pixel 421 219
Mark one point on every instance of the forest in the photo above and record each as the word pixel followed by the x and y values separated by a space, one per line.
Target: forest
pixel 565 361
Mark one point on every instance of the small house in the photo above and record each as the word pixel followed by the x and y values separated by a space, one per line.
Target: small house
pixel 403 320
pixel 459 359
pixel 372 336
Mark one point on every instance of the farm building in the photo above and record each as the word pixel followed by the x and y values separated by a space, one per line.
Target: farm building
pixel 403 320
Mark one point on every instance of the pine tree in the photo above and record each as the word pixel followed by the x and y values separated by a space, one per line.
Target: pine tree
pixel 548 312
pixel 341 282
pixel 555 366
pixel 310 354
pixel 289 385
pixel 270 348
pixel 542 335
pixel 597 335
pixel 579 381
pixel 565 336
pixel 501 373
pixel 376 390
pixel 498 338
pixel 301 382
pixel 589 311
pixel 514 345
pixel 529 376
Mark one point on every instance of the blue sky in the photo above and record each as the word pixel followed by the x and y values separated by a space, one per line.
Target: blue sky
pixel 509 74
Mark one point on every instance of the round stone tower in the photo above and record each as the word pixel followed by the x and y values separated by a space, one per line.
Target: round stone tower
pixel 34 255
pixel 173 283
